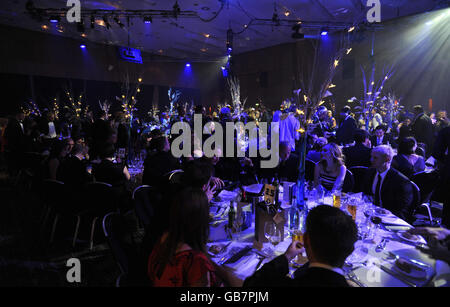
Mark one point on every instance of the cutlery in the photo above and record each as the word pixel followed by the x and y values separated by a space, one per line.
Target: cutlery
pixel 352 276
pixel 261 259
pixel 397 276
pixel 382 245
pixel 238 255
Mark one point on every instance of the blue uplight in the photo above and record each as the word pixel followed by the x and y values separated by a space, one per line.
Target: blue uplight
pixel 188 65
pixel 54 20
pixel 324 33
pixel 83 46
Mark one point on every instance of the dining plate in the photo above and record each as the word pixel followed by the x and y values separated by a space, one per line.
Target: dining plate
pixel 404 235
pixel 409 269
pixel 381 212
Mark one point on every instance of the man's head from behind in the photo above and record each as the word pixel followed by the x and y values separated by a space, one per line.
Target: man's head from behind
pixel 330 235
pixel 361 136
pixel 285 151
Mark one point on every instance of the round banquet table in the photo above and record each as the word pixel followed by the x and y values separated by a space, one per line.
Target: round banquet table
pixel 367 266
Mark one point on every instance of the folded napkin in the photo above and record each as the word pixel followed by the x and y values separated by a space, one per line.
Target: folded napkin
pixel 245 266
pixel 254 188
pixel 225 195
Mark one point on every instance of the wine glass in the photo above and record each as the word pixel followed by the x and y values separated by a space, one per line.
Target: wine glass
pixel 276 237
pixel 269 231
pixel 238 222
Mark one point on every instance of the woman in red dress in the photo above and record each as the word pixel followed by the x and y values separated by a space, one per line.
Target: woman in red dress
pixel 179 258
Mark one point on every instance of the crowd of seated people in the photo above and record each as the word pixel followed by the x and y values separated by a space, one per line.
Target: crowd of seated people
pixel 175 242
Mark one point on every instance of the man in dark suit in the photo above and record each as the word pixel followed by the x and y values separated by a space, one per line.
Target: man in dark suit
pixel 390 189
pixel 441 152
pixel 15 141
pixel 380 137
pixel 288 166
pixel 159 162
pixel 347 127
pixel 329 239
pixel 49 127
pixel 359 154
pixel 422 129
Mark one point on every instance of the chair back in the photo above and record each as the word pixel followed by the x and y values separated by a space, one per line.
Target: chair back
pixel 416 198
pixel 309 169
pixel 427 183
pixel 143 204
pixel 53 193
pixel 349 182
pixel 98 198
pixel 359 172
pixel 175 176
pixel 125 250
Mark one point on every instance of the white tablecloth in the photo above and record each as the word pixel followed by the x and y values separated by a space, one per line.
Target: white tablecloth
pixel 366 260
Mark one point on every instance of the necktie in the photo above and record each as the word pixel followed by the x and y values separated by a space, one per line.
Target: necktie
pixel 377 191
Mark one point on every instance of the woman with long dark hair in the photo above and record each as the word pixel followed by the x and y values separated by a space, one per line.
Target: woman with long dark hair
pixel 407 161
pixel 179 258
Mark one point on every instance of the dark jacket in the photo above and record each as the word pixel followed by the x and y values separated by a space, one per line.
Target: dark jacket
pixel 74 174
pixel 109 172
pixel 386 139
pixel 357 155
pixel 273 274
pixel 14 136
pixel 423 130
pixel 156 165
pixel 344 134
pixel 402 164
pixel 43 126
pixel 396 193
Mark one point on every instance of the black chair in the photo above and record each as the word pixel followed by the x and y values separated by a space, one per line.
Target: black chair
pixel 52 196
pixel 174 176
pixel 427 183
pixel 359 173
pixel 416 203
pixel 349 182
pixel 143 206
pixel 309 169
pixel 124 249
pixel 98 198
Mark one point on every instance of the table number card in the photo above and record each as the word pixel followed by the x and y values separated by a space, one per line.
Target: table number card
pixel 269 194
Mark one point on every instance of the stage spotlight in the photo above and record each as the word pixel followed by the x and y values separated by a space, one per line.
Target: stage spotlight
pixel 107 24
pixel 324 32
pixel 188 65
pixel 148 19
pixel 82 46
pixel 55 19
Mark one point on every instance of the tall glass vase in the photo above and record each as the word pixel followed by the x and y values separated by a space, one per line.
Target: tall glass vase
pixel 301 181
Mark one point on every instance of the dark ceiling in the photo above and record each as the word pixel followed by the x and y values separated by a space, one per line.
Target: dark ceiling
pixel 196 39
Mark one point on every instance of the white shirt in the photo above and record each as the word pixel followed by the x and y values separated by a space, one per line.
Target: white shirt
pixel 21 126
pixel 51 130
pixel 374 185
pixel 288 130
pixel 379 141
pixel 326 266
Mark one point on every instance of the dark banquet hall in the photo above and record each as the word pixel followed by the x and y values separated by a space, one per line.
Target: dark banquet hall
pixel 224 150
